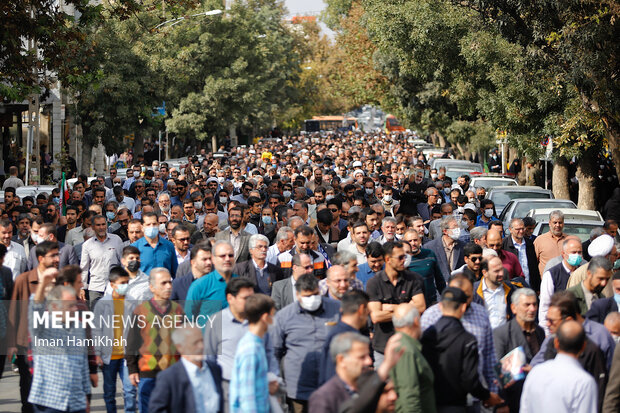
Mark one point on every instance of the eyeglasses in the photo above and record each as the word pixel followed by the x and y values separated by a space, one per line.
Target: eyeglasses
pixel 334 209
pixel 50 211
pixel 400 257
pixel 475 259
pixel 183 239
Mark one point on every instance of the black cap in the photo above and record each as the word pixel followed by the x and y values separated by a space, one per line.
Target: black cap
pixel 454 294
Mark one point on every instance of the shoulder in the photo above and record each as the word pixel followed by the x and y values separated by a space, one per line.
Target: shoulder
pixel 172 373
pixel 332 306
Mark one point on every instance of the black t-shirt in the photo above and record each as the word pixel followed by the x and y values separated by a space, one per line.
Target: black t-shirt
pixel 381 289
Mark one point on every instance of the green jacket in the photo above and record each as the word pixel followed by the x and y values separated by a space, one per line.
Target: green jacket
pixel 413 379
pixel 577 290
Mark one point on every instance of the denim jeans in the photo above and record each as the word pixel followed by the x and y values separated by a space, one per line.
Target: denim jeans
pixel 110 371
pixel 145 387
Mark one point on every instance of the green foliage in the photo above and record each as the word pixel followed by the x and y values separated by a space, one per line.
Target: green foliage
pixel 335 12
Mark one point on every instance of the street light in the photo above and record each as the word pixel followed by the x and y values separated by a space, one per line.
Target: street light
pixel 180 19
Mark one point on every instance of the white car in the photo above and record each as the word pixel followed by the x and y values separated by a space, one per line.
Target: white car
pixel 488 182
pixel 541 214
pixel 580 229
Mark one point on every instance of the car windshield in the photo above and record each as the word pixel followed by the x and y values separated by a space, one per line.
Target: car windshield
pixel 523 208
pixel 491 183
pixel 568 215
pixel 503 197
pixel 580 230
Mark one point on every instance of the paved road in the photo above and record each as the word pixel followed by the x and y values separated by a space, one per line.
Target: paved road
pixel 9 393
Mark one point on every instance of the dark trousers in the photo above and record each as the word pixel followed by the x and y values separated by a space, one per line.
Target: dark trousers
pixel 2 358
pixel 93 297
pixel 25 379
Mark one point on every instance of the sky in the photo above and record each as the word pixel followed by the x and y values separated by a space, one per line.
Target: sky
pixel 301 6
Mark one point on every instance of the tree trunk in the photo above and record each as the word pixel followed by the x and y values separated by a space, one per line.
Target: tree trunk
pixel 586 174
pixel 560 178
pixel 465 153
pixel 87 152
pixel 613 139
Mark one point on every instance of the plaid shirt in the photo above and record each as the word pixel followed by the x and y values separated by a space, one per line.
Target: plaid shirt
pixel 60 378
pixel 475 321
pixel 249 388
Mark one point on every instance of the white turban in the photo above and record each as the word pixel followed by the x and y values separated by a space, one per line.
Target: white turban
pixel 601 246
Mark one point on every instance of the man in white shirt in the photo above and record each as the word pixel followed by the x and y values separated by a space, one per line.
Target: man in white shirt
pixel 493 290
pixel 181 240
pixel 119 195
pixel 15 258
pixel 561 384
pixel 285 239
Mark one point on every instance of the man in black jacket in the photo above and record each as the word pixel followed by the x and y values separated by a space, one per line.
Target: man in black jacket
pixel 452 353
pixel 517 241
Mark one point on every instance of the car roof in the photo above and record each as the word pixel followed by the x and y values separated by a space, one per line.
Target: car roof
pixel 518 188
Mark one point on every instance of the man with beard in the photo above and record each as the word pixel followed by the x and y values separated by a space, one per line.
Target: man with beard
pixel 208 230
pixel 303 240
pixel 590 289
pixel 235 235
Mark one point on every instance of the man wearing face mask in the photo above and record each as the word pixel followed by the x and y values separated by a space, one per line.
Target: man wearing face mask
pixel 138 285
pixel 154 250
pixel 299 334
pixel 448 248
pixel 555 279
pixel 434 227
pixel 111 359
pixel 487 208
pixel 388 201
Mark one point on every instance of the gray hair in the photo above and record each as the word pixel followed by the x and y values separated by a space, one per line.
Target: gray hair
pixel 429 190
pixel 599 262
pixel 283 233
pixel 407 319
pixel 179 334
pixel 342 343
pixel 343 258
pixel 596 232
pixel 478 233
pixel 488 253
pixel 163 194
pixel 88 233
pixel 55 294
pixel 556 214
pixel 521 292
pixel 154 272
pixel 292 219
pixel 255 238
pixel 221 242
pixel 446 221
pixel 613 318
pixel 515 221
pixel 387 220
pixel 354 209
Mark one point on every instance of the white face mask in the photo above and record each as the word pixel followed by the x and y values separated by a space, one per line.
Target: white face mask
pixel 286 194
pixel 162 228
pixel 488 213
pixel 329 197
pixel 387 198
pixel 223 200
pixel 369 191
pixel 460 209
pixel 434 176
pixel 198 205
pixel 455 233
pixel 311 303
pixel 407 260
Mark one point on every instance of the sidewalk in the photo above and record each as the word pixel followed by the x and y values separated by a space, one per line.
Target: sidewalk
pixel 9 393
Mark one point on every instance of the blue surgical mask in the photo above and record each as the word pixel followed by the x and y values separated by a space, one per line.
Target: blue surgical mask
pixel 121 289
pixel 266 220
pixel 574 259
pixel 617 298
pixel 109 215
pixel 151 232
pixel 56 200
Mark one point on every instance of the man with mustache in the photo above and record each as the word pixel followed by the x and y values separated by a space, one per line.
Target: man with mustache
pixel 590 289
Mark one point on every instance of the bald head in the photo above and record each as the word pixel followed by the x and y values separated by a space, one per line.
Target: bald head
pixel 612 324
pixel 406 320
pixel 570 338
pixel 494 240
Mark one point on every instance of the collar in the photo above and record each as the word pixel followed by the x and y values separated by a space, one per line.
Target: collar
pixel 515 243
pixel 486 288
pixel 192 369
pixel 256 265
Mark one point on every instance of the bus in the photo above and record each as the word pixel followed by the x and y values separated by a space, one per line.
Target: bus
pixel 330 123
pixel 392 125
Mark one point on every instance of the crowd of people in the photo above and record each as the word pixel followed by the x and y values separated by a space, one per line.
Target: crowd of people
pixel 337 274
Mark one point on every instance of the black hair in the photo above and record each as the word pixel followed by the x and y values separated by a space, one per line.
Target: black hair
pixel 236 284
pixel 307 282
pixel 352 300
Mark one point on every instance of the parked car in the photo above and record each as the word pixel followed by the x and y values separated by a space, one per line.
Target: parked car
pixel 580 229
pixel 501 195
pixel 488 182
pixel 540 214
pixel 454 163
pixel 454 172
pixel 520 208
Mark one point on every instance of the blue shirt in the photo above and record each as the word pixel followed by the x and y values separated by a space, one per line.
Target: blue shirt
pixel 481 223
pixel 249 388
pixel 206 398
pixel 364 273
pixel 180 286
pixel 163 255
pixel 207 295
pixel 298 338
pixel 328 369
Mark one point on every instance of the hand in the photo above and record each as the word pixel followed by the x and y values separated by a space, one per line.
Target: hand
pixel 82 295
pixel 493 400
pixel 49 276
pixel 273 387
pixel 527 368
pixel 10 352
pixel 502 409
pixel 94 379
pixel 134 378
pixel 99 361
